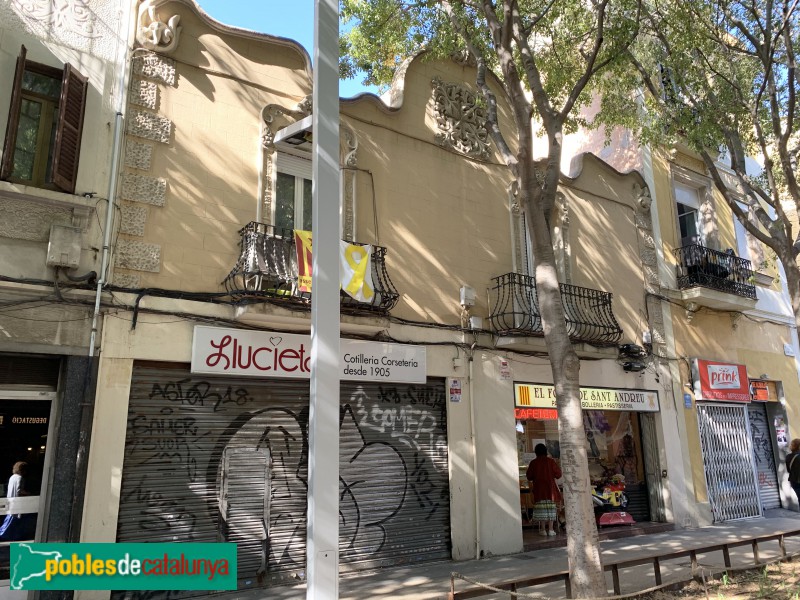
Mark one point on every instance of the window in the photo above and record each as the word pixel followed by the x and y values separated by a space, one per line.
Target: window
pixel 45 119
pixel 687 202
pixel 293 193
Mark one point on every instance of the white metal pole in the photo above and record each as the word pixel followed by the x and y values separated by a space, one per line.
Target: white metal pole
pixel 322 550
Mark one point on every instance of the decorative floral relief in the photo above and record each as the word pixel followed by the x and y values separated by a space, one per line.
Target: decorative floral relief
pixel 461 121
pixel 65 15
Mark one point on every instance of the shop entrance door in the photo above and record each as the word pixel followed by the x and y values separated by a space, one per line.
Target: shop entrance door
pixel 764 455
pixel 728 461
pixel 23 444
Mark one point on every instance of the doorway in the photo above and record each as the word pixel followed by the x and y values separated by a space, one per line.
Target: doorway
pixel 23 447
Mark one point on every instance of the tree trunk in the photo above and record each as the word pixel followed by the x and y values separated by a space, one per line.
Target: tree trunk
pixel 792 270
pixel 587 578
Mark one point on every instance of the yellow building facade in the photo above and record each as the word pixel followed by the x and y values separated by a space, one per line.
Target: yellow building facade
pixel 198 429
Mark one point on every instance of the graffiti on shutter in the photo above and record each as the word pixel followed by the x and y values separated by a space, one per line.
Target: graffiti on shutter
pixel 212 459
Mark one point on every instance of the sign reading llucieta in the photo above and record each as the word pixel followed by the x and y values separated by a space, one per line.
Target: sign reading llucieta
pixel 221 351
pixel 543 396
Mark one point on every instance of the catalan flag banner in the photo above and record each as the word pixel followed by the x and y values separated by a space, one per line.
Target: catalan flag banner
pixel 356 271
pixel 302 242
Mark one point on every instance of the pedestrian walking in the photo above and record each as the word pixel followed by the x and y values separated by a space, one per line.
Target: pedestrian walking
pixel 793 466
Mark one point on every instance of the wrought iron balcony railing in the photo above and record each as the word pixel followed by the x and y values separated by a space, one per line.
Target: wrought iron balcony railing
pixel 267 268
pixel 699 266
pixel 588 312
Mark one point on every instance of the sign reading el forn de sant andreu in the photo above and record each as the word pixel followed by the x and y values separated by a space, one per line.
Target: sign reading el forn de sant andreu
pixel 222 351
pixel 725 382
pixel 543 396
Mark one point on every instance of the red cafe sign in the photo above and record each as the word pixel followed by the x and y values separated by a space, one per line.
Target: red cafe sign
pixel 724 382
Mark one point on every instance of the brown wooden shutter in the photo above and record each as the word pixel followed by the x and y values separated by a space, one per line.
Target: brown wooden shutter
pixel 13 118
pixel 67 148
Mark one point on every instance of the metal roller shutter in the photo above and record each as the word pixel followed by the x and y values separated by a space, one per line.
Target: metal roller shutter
pixel 212 459
pixel 765 457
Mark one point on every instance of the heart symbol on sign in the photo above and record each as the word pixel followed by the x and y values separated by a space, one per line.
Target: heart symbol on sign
pixel 275 341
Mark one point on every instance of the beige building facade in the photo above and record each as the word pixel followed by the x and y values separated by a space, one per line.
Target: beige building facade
pixel 199 418
pixel 445 372
pixel 726 310
pixel 62 67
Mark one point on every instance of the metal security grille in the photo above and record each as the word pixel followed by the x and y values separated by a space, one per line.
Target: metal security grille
pixel 728 461
pixel 764 455
pixel 211 459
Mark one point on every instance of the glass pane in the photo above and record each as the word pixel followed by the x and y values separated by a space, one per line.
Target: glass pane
pixel 27 134
pixel 41 84
pixel 307 194
pixel 284 201
pixel 687 219
pixel 48 177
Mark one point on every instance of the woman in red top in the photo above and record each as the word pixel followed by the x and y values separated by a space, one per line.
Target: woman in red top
pixel 542 474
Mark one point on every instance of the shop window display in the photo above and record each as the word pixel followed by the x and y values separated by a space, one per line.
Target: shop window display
pixel 614 452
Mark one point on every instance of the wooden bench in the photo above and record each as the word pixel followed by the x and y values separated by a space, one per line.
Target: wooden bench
pixel 655 559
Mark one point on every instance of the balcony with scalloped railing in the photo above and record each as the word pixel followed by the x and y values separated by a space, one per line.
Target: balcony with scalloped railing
pixel 515 313
pixel 267 273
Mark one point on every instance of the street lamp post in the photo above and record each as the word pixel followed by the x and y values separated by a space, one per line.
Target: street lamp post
pixel 322 549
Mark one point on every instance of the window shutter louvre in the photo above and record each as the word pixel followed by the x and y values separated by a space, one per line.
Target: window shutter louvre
pixel 13 118
pixel 68 129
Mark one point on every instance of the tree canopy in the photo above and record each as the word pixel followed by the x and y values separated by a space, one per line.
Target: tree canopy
pixel 722 79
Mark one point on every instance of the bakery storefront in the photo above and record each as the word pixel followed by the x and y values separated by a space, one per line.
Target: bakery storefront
pixel 621 442
pixel 218 451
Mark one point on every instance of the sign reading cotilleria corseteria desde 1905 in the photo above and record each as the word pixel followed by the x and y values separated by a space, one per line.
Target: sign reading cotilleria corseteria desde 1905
pixel 222 351
pixel 123 566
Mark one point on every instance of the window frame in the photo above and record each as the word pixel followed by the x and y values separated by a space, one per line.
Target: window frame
pixel 701 185
pixel 69 109
pixel 299 168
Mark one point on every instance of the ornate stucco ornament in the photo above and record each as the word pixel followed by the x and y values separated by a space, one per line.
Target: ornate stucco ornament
pixel 62 15
pixel 643 199
pixel 460 119
pixel 273 111
pixel 153 33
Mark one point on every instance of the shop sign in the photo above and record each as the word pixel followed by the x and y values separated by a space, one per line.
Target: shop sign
pixel 538 395
pixel 543 414
pixel 759 390
pixel 724 382
pixel 222 351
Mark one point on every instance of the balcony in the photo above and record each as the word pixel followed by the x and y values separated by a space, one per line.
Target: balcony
pixel 715 279
pixel 267 270
pixel 588 312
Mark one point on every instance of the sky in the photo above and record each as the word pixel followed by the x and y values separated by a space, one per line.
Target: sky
pixel 293 19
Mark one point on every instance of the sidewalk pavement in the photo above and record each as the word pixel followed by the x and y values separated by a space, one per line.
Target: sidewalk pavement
pixel 432 581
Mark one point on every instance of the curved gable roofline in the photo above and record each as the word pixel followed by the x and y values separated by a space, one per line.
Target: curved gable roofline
pixel 392 100
pixel 245 33
pixel 577 166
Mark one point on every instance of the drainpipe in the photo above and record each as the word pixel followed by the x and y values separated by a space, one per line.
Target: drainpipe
pixel 122 86
pixel 474 455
